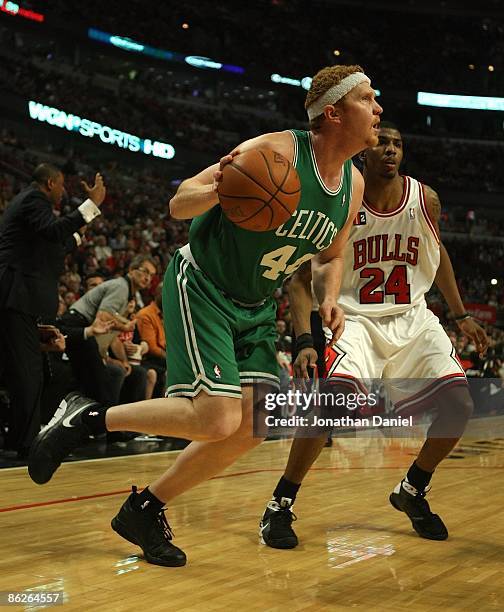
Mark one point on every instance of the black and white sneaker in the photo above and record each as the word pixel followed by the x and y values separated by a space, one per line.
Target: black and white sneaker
pixel 59 437
pixel 149 530
pixel 406 498
pixel 275 527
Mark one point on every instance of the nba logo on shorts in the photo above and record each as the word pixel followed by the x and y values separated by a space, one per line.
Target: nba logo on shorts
pixel 217 371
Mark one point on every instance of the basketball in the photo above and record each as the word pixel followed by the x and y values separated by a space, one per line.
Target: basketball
pixel 259 191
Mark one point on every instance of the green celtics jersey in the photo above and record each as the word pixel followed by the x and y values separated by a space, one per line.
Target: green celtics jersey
pixel 249 266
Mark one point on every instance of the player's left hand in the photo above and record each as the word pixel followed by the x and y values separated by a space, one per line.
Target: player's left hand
pixel 307 358
pixel 217 177
pixel 333 317
pixel 476 333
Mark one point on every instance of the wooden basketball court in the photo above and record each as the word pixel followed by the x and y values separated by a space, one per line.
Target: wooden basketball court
pixel 356 551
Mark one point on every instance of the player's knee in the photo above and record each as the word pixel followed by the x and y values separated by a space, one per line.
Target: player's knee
pixel 152 376
pixel 221 417
pixel 459 404
pixel 223 427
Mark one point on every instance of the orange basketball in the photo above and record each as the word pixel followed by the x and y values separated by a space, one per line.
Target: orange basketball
pixel 260 190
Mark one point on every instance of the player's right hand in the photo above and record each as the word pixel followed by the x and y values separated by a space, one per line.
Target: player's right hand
pixel 307 358
pixel 97 191
pixel 332 317
pixel 218 173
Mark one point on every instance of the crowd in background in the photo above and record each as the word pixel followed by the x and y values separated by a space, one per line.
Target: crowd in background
pixel 222 32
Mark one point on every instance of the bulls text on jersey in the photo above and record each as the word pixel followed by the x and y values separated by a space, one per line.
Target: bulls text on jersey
pixel 383 247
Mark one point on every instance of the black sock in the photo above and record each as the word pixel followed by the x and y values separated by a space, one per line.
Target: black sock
pixel 147 500
pixel 94 418
pixel 286 488
pixel 417 477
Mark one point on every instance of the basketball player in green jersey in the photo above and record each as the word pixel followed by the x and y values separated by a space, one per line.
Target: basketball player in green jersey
pixel 219 312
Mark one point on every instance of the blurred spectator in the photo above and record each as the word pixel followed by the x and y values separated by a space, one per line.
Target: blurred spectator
pixel 92 280
pixel 102 250
pixel 151 329
pixel 135 349
pixel 106 303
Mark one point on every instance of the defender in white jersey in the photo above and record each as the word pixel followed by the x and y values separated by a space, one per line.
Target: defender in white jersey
pixel 392 257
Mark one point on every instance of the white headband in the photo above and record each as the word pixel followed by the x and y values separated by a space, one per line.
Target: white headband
pixel 335 93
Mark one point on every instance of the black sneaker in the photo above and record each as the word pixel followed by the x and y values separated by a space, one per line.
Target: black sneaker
pixel 275 527
pixel 59 438
pixel 406 498
pixel 150 531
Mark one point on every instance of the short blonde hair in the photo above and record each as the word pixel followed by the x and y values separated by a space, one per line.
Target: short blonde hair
pixel 324 80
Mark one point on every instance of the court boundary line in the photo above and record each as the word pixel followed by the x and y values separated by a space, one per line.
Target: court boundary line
pixel 76 498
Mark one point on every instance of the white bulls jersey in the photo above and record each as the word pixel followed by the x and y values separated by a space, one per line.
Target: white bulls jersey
pixel 391 258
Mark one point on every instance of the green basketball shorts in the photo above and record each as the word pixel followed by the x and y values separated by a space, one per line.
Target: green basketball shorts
pixel 213 343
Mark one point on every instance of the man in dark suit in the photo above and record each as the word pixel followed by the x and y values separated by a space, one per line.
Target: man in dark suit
pixel 33 241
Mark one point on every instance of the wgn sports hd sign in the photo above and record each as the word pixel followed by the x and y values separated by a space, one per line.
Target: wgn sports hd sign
pixel 91 129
